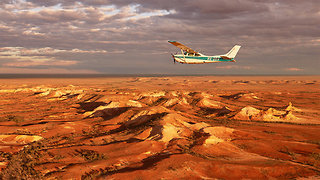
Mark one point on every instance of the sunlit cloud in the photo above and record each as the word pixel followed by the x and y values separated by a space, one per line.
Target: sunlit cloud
pixel 40 63
pixel 5 51
pixel 46 71
pixel 293 69
pixel 234 67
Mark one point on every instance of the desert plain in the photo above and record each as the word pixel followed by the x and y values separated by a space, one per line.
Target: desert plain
pixel 180 127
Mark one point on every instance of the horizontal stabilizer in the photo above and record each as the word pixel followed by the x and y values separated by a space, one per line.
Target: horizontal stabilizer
pixel 225 57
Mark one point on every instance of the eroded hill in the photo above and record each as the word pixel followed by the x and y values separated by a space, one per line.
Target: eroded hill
pixel 153 128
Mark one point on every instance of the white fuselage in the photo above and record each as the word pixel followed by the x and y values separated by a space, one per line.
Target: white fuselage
pixel 200 59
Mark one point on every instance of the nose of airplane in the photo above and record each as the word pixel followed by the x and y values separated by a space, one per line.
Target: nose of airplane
pixel 174 59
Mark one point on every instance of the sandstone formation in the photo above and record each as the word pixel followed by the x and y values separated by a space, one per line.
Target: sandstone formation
pixel 250 113
pixel 160 128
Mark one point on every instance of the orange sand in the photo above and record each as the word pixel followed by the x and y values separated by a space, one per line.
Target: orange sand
pixel 220 127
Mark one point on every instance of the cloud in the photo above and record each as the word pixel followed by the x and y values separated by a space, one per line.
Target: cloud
pixel 40 63
pixel 293 69
pixel 102 34
pixel 46 71
pixel 234 67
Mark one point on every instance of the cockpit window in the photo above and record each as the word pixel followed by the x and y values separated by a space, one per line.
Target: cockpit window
pixel 190 54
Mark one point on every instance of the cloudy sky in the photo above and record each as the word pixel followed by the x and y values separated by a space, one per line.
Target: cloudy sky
pixel 131 36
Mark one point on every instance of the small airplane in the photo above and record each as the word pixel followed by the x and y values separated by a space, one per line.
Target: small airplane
pixel 190 56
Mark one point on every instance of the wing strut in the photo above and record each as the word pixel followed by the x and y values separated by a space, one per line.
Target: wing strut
pixel 183 55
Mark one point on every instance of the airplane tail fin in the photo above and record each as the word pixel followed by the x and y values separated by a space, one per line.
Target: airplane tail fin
pixel 232 53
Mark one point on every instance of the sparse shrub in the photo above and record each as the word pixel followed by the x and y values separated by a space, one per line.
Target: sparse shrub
pixel 315 156
pixel 243 146
pixel 58 157
pixel 16 119
pixel 21 165
pixel 270 132
pixel 5 155
pixel 288 152
pixel 91 155
pixel 171 168
pixel 23 131
pixel 314 141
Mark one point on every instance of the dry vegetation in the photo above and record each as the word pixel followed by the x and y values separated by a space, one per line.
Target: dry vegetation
pixel 153 128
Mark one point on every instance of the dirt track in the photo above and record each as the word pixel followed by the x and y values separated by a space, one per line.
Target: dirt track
pixel 153 128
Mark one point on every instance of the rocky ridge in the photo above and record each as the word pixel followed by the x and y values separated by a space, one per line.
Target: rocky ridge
pixel 87 132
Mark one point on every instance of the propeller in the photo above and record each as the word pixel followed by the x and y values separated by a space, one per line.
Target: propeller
pixel 174 60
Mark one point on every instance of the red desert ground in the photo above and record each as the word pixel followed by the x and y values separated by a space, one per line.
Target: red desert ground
pixel 208 127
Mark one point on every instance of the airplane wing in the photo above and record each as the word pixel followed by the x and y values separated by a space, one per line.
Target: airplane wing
pixel 183 47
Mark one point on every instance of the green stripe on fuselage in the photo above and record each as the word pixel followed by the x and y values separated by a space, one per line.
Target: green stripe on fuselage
pixel 201 58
